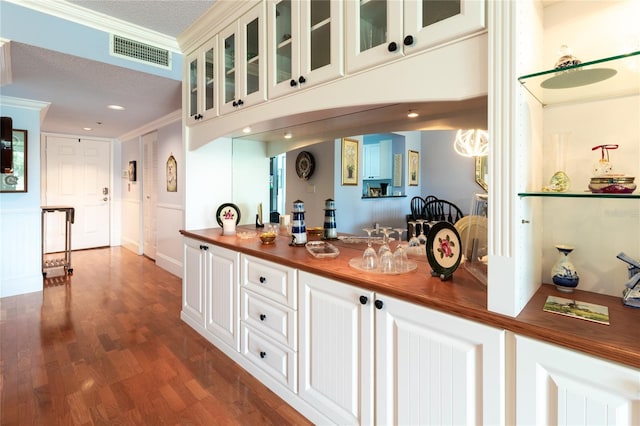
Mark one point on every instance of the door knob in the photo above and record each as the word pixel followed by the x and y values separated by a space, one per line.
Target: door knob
pixel 105 199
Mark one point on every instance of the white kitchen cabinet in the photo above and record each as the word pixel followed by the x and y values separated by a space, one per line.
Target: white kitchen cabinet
pixel 425 367
pixel 202 83
pixel 269 319
pixel 379 31
pixel 210 292
pixel 305 44
pixel 378 160
pixel 242 48
pixel 557 386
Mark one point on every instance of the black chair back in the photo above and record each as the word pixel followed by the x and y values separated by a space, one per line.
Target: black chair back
pixel 442 210
pixel 417 208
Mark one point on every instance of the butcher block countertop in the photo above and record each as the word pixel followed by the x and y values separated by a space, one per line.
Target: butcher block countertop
pixel 462 296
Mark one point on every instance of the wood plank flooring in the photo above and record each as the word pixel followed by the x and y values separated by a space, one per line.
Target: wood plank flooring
pixel 106 346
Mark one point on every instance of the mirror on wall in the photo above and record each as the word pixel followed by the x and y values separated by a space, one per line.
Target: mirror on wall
pixel 482 172
pixel 14 175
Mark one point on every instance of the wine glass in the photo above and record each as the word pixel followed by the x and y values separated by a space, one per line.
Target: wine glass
pixel 400 258
pixel 414 241
pixel 385 241
pixel 422 238
pixel 369 257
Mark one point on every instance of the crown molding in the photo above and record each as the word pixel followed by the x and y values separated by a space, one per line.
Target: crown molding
pixel 43 107
pixel 6 76
pixel 101 22
pixel 154 125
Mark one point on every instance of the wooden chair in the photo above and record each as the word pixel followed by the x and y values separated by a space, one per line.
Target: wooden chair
pixel 439 210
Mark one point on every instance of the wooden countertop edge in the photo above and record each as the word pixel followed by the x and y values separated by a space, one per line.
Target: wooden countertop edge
pixel 527 323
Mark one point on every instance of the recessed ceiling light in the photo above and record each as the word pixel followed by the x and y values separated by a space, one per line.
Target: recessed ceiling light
pixel 288 135
pixel 412 114
pixel 116 107
pixel 246 129
pixel 88 129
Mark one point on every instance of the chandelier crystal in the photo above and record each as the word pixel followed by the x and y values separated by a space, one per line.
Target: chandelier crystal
pixel 472 143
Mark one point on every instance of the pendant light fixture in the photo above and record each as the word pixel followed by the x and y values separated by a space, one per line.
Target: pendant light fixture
pixel 472 143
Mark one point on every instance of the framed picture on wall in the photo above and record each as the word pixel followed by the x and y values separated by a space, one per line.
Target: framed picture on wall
pixel 14 163
pixel 349 161
pixel 132 171
pixel 172 174
pixel 414 167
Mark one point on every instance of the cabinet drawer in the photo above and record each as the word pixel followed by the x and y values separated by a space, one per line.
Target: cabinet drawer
pixel 277 361
pixel 270 318
pixel 271 280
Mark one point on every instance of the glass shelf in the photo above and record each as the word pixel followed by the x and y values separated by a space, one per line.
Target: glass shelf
pixel 576 81
pixel 585 194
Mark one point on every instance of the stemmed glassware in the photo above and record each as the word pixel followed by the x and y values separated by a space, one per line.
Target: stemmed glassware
pixel 385 241
pixel 369 257
pixel 384 253
pixel 400 258
pixel 414 241
pixel 422 237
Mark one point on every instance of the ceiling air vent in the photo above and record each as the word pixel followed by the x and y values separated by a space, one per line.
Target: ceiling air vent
pixel 140 52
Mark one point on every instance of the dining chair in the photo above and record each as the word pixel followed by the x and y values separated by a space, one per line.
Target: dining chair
pixel 417 208
pixel 439 210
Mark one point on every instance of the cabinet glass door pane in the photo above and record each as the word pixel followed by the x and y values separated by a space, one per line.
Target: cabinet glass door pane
pixel 373 23
pixel 320 33
pixel 283 41
pixel 438 10
pixel 209 78
pixel 193 87
pixel 253 57
pixel 229 68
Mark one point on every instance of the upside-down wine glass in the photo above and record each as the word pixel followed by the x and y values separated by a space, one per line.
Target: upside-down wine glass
pixel 385 241
pixel 400 259
pixel 369 257
pixel 413 241
pixel 422 237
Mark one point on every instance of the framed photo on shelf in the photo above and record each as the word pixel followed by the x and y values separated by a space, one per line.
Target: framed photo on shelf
pixel 349 161
pixel 414 167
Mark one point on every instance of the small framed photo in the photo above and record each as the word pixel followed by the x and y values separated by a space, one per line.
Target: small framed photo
pixel 414 167
pixel 132 171
pixel 349 161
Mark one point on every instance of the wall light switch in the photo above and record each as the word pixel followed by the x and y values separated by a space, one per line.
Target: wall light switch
pixel 311 189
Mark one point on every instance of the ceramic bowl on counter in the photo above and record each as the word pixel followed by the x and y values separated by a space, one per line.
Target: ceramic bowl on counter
pixel 612 184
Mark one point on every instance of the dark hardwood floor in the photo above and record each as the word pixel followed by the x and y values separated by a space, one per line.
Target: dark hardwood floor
pixel 106 346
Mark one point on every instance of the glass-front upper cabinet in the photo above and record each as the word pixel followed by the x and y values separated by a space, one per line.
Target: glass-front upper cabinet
pixel 202 99
pixel 243 61
pixel 382 30
pixel 305 43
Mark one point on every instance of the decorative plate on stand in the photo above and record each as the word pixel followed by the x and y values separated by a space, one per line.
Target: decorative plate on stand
pixel 305 165
pixel 444 250
pixel 227 210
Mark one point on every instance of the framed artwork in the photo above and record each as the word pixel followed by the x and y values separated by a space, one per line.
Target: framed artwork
pixel 414 167
pixel 172 174
pixel 132 171
pixel 14 163
pixel 349 161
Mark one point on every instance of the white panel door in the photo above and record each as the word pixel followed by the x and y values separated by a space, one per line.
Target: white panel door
pixel 436 369
pixel 557 386
pixel 77 175
pixel 223 295
pixel 336 349
pixel 150 198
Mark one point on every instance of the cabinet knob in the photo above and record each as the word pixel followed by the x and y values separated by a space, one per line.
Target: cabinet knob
pixel 293 83
pixel 379 304
pixel 262 354
pixel 363 300
pixel 203 247
pixel 240 102
pixel 262 280
pixel 392 47
pixel 234 103
pixel 263 317
pixel 408 40
pixel 302 80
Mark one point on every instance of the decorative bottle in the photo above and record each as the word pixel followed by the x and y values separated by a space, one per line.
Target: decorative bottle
pixel 330 231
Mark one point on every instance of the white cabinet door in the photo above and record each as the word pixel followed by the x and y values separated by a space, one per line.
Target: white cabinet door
pixel 305 41
pixel 222 296
pixel 243 64
pixel 336 349
pixel 557 386
pixel 193 284
pixel 371 161
pixel 433 368
pixel 201 84
pixel 383 30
